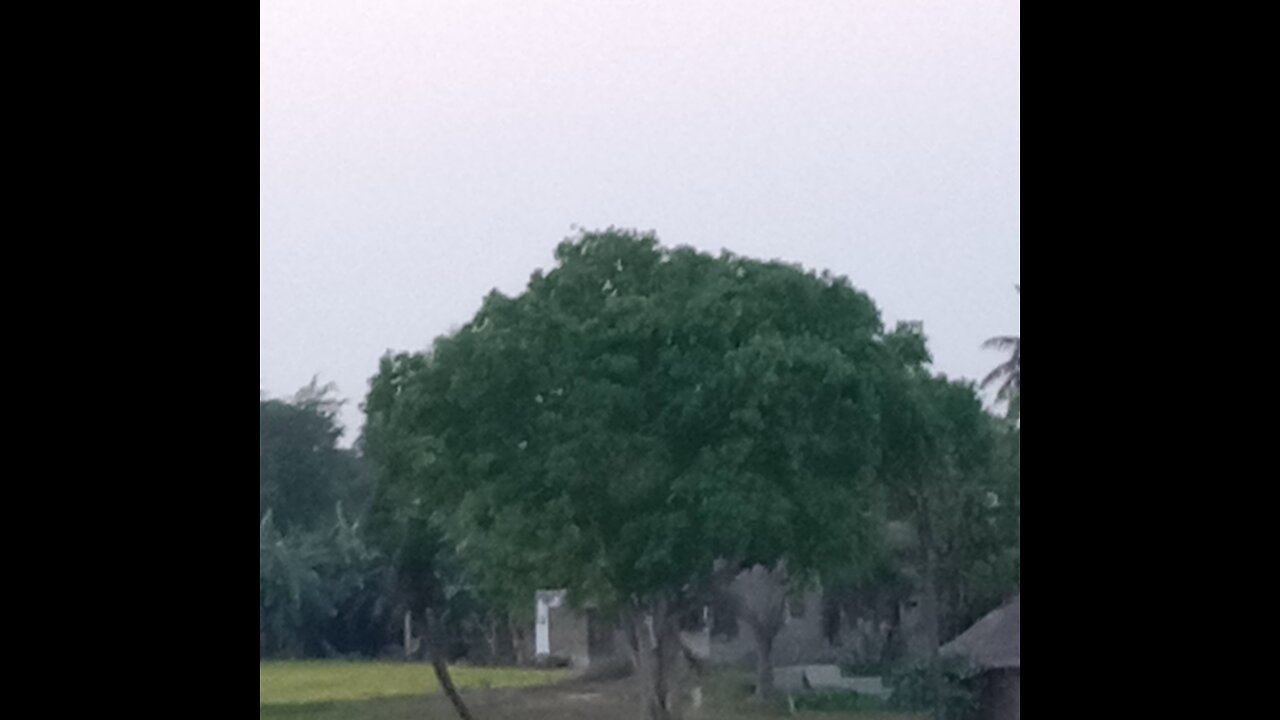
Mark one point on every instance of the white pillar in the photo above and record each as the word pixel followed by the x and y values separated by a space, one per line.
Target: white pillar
pixel 408 633
pixel 542 629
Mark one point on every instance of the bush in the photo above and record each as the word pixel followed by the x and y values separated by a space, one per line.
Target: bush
pixel 913 692
pixel 320 593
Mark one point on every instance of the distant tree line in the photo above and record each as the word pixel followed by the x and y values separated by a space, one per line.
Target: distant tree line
pixel 327 588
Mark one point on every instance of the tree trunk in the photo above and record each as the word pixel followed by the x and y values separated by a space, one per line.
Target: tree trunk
pixel 764 659
pixel 519 635
pixel 490 630
pixel 932 622
pixel 435 641
pixel 759 598
pixel 505 644
pixel 655 643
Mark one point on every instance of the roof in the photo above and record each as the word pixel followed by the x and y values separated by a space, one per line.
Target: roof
pixel 993 642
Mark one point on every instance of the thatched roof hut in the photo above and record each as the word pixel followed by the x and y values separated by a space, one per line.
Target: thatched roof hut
pixel 993 647
pixel 994 642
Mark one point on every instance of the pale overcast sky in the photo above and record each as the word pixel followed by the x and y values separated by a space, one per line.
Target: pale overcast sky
pixel 415 155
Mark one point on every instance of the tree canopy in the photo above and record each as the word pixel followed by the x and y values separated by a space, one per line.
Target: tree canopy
pixel 302 472
pixel 639 412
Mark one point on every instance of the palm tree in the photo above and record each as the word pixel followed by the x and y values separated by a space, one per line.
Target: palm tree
pixel 1009 372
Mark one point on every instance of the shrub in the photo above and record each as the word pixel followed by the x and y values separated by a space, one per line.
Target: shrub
pixel 913 692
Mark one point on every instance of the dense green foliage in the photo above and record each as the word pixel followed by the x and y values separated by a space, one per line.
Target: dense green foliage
pixel 639 413
pixel 321 587
pixel 320 594
pixel 302 472
pixel 913 691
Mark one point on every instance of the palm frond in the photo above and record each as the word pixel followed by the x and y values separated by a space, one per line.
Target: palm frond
pixel 1004 342
pixel 1002 370
pixel 1011 369
pixel 1012 384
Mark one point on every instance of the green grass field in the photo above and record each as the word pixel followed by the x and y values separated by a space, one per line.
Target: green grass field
pixel 327 690
pixel 291 683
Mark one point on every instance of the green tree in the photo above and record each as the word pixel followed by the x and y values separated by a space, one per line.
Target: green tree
pixel 290 589
pixel 941 470
pixel 982 567
pixel 302 473
pixel 758 597
pixel 408 520
pixel 320 593
pixel 637 414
